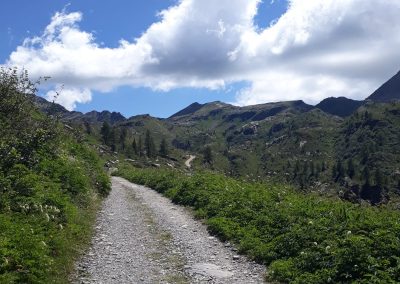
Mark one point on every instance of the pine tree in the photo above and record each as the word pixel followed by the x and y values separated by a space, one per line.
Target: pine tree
pixel 378 178
pixel 105 132
pixel 88 128
pixel 207 155
pixel 366 176
pixel 122 138
pixel 134 147
pixel 350 168
pixel 112 140
pixel 140 147
pixel 163 148
pixel 149 145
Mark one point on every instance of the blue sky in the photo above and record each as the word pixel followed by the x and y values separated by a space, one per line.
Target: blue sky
pixel 236 51
pixel 128 20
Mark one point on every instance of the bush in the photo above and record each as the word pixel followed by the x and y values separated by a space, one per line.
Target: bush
pixel 48 188
pixel 301 238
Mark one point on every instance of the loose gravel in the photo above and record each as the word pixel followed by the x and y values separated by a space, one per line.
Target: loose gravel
pixel 142 237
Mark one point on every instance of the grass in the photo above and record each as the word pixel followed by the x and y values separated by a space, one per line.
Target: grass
pixel 301 238
pixel 46 215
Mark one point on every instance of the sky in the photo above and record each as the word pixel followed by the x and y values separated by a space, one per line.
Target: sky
pixel 158 56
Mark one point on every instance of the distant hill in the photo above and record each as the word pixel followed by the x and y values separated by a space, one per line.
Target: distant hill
pixel 339 106
pixel 389 91
pixel 50 108
pixel 188 110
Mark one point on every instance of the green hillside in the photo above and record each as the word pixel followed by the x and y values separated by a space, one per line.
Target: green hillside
pixel 51 182
pixel 289 142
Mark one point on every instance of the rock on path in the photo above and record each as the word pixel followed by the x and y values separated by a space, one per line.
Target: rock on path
pixel 141 237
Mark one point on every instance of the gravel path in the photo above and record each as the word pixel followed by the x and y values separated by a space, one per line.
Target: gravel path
pixel 189 161
pixel 141 237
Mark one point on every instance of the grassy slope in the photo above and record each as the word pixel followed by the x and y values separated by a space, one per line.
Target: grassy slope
pixel 50 185
pixel 301 238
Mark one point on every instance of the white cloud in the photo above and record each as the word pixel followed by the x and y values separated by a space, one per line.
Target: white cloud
pixel 69 97
pixel 318 48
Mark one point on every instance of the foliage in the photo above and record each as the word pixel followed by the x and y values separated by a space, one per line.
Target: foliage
pixel 48 187
pixel 301 238
pixel 149 145
pixel 164 151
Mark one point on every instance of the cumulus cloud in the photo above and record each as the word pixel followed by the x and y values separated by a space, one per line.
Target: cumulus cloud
pixel 318 48
pixel 69 97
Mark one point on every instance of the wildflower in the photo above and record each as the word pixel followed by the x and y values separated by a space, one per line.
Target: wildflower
pixel 310 222
pixel 315 243
pixel 348 233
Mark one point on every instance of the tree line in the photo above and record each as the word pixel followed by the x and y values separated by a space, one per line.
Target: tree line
pixel 118 140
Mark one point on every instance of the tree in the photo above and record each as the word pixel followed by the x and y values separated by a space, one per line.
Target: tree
pixel 122 138
pixel 112 140
pixel 163 148
pixel 350 168
pixel 88 127
pixel 105 132
pixel 140 147
pixel 135 147
pixel 378 178
pixel 366 175
pixel 149 145
pixel 207 155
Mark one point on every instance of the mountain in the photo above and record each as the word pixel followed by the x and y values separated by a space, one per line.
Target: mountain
pixel 188 110
pixel 93 117
pixel 339 106
pixel 339 147
pixel 389 91
pixel 104 116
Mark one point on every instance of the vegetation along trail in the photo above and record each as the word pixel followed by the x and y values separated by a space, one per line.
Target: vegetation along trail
pixel 142 237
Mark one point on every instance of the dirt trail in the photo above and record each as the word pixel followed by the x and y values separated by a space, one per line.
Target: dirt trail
pixel 141 237
pixel 189 161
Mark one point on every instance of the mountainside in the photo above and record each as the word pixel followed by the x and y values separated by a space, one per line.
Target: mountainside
pixel 340 146
pixel 339 106
pixel 50 183
pixel 389 91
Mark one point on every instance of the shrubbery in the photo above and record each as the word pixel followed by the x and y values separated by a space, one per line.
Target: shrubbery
pixel 49 185
pixel 301 238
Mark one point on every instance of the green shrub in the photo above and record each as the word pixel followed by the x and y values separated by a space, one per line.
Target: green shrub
pixel 49 185
pixel 301 238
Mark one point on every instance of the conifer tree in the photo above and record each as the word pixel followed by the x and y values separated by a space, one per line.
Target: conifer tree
pixel 140 147
pixel 207 155
pixel 134 147
pixel 105 132
pixel 163 148
pixel 122 138
pixel 149 145
pixel 350 168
